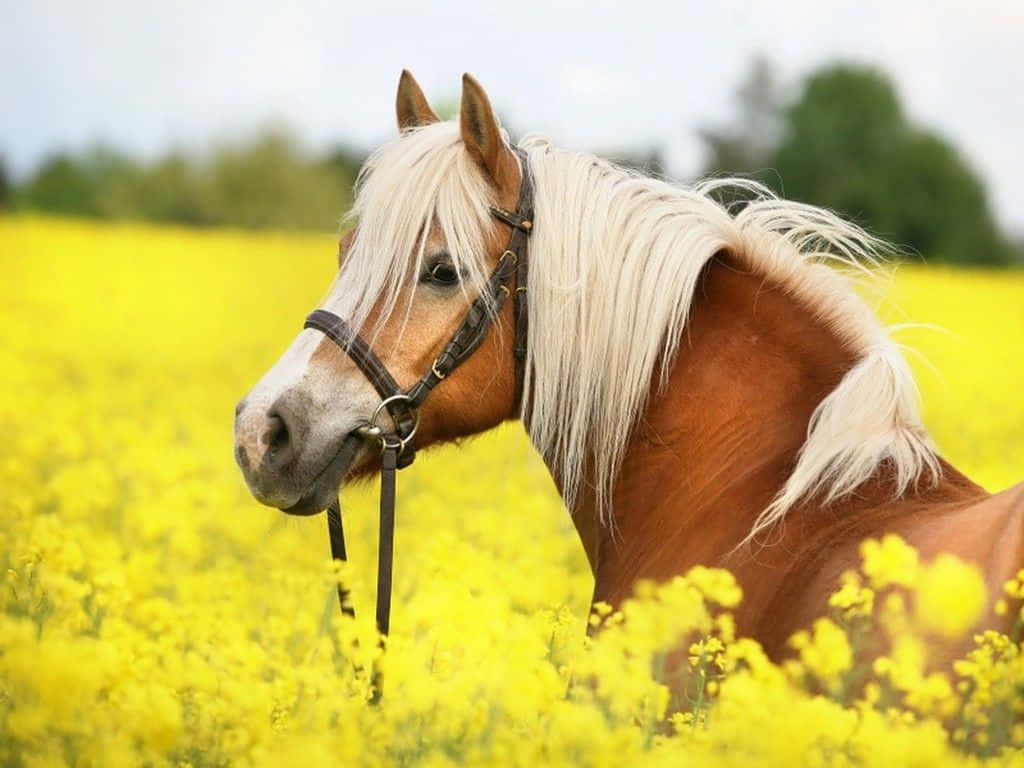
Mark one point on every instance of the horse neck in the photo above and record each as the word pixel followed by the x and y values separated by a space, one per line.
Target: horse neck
pixel 718 442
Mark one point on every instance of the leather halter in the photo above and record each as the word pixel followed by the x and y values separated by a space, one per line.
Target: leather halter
pixel 397 447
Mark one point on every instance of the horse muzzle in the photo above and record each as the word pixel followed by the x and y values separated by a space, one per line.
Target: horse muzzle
pixel 280 466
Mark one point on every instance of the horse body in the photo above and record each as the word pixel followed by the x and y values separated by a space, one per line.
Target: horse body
pixel 718 441
pixel 703 389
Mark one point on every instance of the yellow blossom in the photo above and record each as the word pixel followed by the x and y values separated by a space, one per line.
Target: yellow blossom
pixel 824 652
pixel 951 596
pixel 152 613
pixel 889 562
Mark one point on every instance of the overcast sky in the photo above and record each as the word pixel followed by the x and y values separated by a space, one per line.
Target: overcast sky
pixel 588 74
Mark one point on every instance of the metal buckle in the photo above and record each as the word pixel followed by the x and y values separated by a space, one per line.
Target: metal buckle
pixel 369 431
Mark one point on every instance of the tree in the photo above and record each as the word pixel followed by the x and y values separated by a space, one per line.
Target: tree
pixel 343 163
pixel 270 182
pixel 846 144
pixel 70 185
pixel 5 183
pixel 749 144
pixel 169 191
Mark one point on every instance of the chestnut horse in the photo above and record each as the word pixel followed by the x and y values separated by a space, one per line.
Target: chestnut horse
pixel 703 384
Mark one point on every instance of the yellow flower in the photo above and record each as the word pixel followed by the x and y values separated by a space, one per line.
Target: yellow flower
pixel 717 586
pixel 889 562
pixel 152 613
pixel 824 652
pixel 853 599
pixel 950 597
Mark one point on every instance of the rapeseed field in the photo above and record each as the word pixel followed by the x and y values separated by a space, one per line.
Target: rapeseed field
pixel 153 614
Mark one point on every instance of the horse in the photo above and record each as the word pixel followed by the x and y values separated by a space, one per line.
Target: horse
pixel 701 379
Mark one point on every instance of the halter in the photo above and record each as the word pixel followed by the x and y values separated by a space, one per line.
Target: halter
pixel 397 447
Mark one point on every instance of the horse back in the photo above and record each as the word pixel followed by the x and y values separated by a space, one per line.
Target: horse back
pixel 958 518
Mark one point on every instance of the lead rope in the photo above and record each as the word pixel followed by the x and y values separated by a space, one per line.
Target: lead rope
pixel 336 533
pixel 386 545
pixel 385 554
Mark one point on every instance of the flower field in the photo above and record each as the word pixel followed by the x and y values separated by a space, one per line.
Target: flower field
pixel 153 614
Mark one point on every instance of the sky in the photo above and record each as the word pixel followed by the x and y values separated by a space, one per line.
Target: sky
pixel 598 75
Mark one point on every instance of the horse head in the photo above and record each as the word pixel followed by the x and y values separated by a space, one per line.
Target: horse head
pixel 432 228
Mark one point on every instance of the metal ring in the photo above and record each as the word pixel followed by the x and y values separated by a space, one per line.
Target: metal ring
pixel 505 289
pixel 509 253
pixel 384 404
pixel 433 370
pixel 403 441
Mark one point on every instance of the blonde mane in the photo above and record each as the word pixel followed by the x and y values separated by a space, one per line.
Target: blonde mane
pixel 614 263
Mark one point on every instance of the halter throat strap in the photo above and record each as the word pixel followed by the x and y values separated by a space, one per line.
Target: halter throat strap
pixel 398 449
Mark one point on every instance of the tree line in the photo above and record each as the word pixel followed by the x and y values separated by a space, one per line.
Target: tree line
pixel 842 141
pixel 845 143
pixel 266 182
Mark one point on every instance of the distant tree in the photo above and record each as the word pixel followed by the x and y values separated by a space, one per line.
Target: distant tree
pixel 848 146
pixel 748 145
pixel 67 184
pixel 270 182
pixel 5 183
pixel 845 143
pixel 344 163
pixel 169 191
pixel 267 181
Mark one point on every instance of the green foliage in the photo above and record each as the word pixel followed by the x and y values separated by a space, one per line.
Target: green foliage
pixel 5 183
pixel 68 184
pixel 268 182
pixel 169 190
pixel 848 146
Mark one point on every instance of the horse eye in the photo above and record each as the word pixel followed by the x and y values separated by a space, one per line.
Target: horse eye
pixel 442 273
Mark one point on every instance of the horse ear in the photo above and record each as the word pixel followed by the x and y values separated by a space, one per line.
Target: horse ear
pixel 481 132
pixel 411 105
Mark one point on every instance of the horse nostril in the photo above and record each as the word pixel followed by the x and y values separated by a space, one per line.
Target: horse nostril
pixel 240 407
pixel 241 457
pixel 277 437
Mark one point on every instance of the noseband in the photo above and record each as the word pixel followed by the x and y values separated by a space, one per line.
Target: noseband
pixel 397 447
